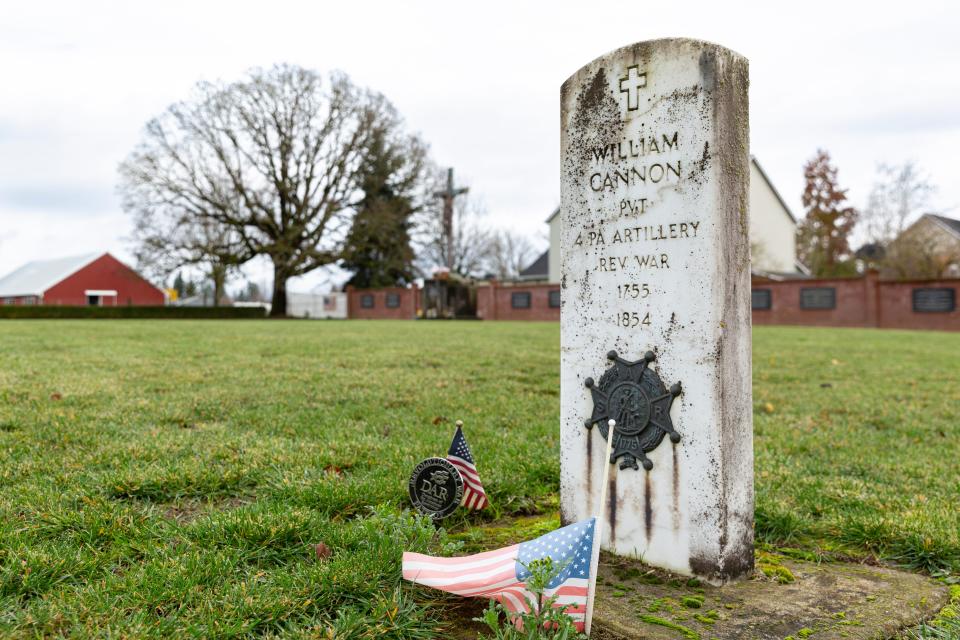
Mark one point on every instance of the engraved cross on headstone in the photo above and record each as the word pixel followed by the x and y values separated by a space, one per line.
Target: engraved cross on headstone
pixel 631 85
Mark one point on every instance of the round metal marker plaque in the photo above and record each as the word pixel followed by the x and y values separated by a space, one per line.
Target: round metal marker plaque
pixel 436 488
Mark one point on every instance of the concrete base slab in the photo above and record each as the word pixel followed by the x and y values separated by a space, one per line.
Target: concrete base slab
pixel 794 599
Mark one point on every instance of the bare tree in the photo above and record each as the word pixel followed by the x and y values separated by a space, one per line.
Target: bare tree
pixel 920 253
pixel 899 195
pixel 167 239
pixel 508 253
pixel 275 158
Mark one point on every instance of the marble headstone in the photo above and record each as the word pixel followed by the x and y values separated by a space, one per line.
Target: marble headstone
pixel 655 317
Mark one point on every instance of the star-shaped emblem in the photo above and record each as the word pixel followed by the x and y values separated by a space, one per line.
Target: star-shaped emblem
pixel 633 395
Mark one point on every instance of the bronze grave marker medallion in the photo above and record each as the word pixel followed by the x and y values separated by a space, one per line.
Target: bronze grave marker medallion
pixel 436 488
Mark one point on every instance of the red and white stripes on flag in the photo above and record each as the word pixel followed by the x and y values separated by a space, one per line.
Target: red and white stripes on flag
pixel 502 574
pixel 474 497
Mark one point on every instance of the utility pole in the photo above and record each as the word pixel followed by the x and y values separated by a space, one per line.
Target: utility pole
pixel 447 196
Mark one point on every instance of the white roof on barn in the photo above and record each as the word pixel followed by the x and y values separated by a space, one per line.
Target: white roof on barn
pixel 33 278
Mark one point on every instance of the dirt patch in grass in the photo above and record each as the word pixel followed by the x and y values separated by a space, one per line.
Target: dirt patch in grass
pixel 186 511
pixel 458 619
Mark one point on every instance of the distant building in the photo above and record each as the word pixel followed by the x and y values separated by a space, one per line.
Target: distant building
pixel 929 248
pixel 92 279
pixel 203 299
pixel 773 231
pixel 539 269
pixel 317 305
pixel 773 228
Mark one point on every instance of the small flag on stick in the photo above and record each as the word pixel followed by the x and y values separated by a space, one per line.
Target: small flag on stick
pixel 502 574
pixel 474 497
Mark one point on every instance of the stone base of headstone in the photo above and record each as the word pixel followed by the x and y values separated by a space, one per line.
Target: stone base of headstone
pixel 826 600
pixel 823 601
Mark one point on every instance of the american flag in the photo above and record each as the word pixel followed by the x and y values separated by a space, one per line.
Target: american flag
pixel 474 497
pixel 501 574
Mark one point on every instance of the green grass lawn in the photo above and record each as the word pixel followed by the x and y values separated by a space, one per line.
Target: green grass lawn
pixel 164 478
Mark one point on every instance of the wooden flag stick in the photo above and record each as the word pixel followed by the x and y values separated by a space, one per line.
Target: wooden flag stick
pixel 598 527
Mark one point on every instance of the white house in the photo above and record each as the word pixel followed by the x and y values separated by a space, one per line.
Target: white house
pixel 773 229
pixel 928 248
pixel 317 305
pixel 772 233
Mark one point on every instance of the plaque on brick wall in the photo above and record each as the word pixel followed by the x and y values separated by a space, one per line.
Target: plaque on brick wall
pixel 554 299
pixel 761 298
pixel 818 298
pixel 934 300
pixel 520 300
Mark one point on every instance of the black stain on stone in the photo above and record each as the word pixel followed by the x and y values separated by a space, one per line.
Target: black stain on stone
pixel 676 491
pixel 565 518
pixel 613 508
pixel 708 69
pixel 647 507
pixel 595 121
pixel 724 524
pixel 593 98
pixel 739 563
pixel 589 467
pixel 705 567
pixel 730 565
pixel 586 291
pixel 698 174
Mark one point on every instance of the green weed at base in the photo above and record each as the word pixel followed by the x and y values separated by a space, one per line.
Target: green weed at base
pixel 545 619
pixel 686 632
pixel 945 626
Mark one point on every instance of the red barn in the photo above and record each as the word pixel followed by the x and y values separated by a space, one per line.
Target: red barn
pixel 93 279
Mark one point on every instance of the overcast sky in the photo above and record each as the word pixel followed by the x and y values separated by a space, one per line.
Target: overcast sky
pixel 876 82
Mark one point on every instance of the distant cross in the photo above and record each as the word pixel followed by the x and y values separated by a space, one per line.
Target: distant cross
pixel 631 85
pixel 448 195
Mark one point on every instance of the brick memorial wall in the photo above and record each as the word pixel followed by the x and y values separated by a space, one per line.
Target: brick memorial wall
pixel 389 303
pixel 863 301
pixel 919 305
pixel 858 302
pixel 518 301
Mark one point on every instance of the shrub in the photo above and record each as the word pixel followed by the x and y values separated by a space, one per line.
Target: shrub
pixel 128 312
